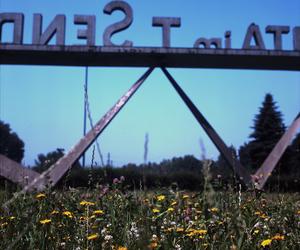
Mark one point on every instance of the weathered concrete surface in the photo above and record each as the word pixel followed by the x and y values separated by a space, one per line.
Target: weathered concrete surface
pixel 15 172
pixel 149 57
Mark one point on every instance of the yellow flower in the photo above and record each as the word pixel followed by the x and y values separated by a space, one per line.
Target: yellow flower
pixel 122 248
pixel 82 218
pixel 257 213
pixel 54 212
pixel 87 203
pixel 68 214
pixel 194 232
pixel 201 231
pixel 179 229
pixel 12 217
pixel 298 212
pixel 93 236
pixel 98 212
pixel 214 210
pixel 155 210
pixel 256 231
pixel 40 196
pixel 278 237
pixel 263 216
pixel 4 224
pixel 160 197
pixel 170 210
pixel 173 203
pixel 266 242
pixel 46 221
pixel 185 196
pixel 191 234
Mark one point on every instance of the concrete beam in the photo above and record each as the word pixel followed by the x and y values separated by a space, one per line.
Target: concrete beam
pixel 212 134
pixel 264 172
pixel 52 175
pixel 15 172
pixel 79 55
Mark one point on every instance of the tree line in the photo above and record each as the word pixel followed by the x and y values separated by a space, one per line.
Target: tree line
pixel 183 172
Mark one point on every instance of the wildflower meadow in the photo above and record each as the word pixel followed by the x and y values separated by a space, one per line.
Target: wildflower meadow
pixel 114 217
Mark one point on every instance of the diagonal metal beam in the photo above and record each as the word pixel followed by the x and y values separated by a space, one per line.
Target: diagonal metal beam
pixel 15 172
pixel 216 139
pixel 51 176
pixel 263 173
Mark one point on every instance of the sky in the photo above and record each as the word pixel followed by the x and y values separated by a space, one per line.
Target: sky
pixel 44 105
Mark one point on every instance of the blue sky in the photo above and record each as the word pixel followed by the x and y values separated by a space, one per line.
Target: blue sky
pixel 44 105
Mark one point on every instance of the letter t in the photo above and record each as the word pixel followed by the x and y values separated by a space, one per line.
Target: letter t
pixel 166 23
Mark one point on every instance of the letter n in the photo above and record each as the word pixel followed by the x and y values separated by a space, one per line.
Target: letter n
pixel 56 27
pixel 18 21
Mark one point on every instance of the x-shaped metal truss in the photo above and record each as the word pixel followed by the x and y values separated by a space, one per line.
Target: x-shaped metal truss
pixel 32 181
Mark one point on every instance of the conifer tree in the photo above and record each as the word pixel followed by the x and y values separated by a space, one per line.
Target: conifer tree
pixel 268 129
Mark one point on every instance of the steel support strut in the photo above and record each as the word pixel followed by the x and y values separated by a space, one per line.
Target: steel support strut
pixel 263 173
pixel 51 176
pixel 216 139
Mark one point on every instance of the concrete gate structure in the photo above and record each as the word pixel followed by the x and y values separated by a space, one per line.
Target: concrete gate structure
pixel 202 55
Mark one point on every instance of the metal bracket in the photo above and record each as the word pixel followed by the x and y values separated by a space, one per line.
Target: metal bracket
pixel 263 173
pixel 216 139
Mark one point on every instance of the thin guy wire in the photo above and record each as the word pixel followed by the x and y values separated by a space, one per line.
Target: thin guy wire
pixel 87 106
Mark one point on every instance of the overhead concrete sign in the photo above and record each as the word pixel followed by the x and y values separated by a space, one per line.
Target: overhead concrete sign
pixel 208 48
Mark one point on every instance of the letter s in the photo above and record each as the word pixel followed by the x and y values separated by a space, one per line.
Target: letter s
pixel 119 26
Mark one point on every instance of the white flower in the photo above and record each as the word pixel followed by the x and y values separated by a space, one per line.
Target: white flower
pixel 103 231
pixel 108 237
pixel 177 247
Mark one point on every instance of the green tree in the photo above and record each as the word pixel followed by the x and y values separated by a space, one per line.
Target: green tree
pixel 43 162
pixel 222 167
pixel 268 129
pixel 10 144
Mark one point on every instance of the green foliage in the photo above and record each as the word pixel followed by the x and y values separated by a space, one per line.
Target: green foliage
pixel 111 217
pixel 43 162
pixel 267 130
pixel 183 172
pixel 10 144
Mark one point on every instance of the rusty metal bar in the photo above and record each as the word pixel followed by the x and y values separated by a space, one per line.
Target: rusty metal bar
pixel 216 139
pixel 15 172
pixel 51 176
pixel 263 173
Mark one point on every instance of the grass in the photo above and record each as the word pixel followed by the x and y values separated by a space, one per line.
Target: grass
pixel 111 217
